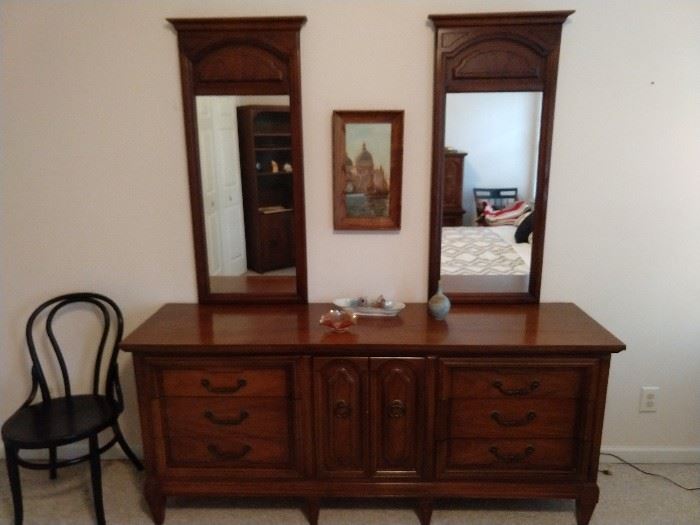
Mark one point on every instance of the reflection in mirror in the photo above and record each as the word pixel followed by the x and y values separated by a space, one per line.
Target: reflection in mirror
pixel 490 178
pixel 246 177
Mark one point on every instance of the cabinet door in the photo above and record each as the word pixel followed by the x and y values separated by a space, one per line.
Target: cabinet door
pixel 277 240
pixel 397 416
pixel 341 417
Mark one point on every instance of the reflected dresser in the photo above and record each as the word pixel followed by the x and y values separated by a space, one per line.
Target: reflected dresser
pixel 494 402
pixel 452 210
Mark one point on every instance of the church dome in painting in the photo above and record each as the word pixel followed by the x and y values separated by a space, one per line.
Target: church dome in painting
pixel 364 159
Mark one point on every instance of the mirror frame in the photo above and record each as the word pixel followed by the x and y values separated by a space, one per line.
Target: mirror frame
pixel 494 52
pixel 242 56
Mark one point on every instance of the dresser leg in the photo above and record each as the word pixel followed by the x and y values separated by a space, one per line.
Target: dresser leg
pixel 425 510
pixel 585 504
pixel 311 510
pixel 156 501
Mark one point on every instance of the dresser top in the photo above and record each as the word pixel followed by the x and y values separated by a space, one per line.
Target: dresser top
pixel 547 328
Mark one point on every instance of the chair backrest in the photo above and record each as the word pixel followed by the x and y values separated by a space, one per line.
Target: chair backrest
pixel 497 198
pixel 112 324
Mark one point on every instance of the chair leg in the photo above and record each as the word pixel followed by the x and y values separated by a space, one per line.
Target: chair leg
pixel 126 448
pixel 52 463
pixel 15 487
pixel 96 472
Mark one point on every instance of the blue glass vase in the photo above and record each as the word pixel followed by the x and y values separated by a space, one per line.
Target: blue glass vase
pixel 439 304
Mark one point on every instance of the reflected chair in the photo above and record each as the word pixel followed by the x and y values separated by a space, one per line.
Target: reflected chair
pixel 56 421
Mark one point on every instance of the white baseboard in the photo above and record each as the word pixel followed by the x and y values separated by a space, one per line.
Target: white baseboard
pixel 652 454
pixel 74 450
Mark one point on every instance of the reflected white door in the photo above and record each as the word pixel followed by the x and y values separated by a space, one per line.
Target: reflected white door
pixel 221 185
pixel 212 219
pixel 230 192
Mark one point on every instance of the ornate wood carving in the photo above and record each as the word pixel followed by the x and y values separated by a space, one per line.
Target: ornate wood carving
pixel 242 63
pixel 397 385
pixel 341 416
pixel 481 62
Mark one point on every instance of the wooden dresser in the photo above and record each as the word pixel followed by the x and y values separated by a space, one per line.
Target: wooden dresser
pixel 495 402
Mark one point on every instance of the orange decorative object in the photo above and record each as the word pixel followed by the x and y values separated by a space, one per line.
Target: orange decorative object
pixel 338 320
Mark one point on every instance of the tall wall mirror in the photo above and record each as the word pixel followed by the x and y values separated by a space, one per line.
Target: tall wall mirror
pixel 494 91
pixel 242 108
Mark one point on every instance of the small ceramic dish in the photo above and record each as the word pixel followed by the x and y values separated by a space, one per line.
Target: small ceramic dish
pixel 390 308
pixel 338 320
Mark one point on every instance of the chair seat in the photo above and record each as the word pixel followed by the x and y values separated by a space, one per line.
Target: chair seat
pixel 60 421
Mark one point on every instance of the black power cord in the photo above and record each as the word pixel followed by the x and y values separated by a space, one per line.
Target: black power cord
pixel 635 467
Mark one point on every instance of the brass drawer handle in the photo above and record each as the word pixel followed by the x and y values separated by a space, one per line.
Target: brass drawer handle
pixel 224 389
pixel 226 421
pixel 397 409
pixel 342 409
pixel 516 391
pixel 214 451
pixel 498 418
pixel 512 458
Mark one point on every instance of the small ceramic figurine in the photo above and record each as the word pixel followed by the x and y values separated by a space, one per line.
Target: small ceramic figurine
pixel 274 168
pixel 439 304
pixel 379 302
pixel 287 167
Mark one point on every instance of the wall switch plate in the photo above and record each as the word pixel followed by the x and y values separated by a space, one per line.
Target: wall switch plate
pixel 648 398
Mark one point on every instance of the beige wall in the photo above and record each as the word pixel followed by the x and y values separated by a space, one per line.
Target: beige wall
pixel 94 195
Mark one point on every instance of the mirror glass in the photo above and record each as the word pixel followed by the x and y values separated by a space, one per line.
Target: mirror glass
pixel 490 176
pixel 245 156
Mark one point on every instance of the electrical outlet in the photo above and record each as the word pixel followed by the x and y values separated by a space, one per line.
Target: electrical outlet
pixel 648 398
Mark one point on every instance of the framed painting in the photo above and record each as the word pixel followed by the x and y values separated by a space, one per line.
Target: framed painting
pixel 367 165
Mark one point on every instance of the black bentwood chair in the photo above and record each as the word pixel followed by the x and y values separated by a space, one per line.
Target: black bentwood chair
pixel 58 421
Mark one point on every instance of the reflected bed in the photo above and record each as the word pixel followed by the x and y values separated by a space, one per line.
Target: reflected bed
pixel 478 250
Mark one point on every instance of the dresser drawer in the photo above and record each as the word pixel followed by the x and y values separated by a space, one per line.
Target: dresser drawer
pixel 511 418
pixel 469 381
pixel 219 417
pixel 509 454
pixel 229 381
pixel 217 452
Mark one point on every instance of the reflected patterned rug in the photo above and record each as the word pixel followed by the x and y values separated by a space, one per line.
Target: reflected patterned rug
pixel 468 250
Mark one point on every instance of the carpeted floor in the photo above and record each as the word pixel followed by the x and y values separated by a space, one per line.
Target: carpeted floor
pixel 627 498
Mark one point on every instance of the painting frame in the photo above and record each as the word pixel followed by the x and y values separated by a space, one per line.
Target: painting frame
pixel 366 197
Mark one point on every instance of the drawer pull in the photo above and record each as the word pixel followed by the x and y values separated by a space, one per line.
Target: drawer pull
pixel 516 391
pixel 512 458
pixel 214 451
pixel 224 389
pixel 342 409
pixel 226 421
pixel 397 409
pixel 498 418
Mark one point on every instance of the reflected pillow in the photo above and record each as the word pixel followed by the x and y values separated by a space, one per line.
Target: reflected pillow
pixel 509 215
pixel 524 230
